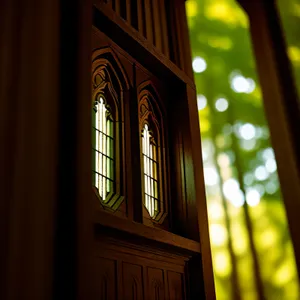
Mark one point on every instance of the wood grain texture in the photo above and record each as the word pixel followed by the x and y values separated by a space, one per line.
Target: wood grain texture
pixel 141 17
pixel 133 282
pixel 151 233
pixel 157 28
pixel 176 286
pixel 196 165
pixel 134 43
pixel 164 29
pixel 105 284
pixel 149 21
pixel 156 284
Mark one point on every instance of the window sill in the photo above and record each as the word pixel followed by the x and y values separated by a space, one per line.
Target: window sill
pixel 119 226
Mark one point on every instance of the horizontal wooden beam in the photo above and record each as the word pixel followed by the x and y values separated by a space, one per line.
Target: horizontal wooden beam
pixel 150 233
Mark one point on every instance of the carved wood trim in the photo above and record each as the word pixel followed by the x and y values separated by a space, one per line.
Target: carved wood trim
pixel 150 112
pixel 109 75
pixel 149 233
pixel 145 48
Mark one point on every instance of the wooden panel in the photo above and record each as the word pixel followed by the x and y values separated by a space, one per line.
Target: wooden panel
pixel 156 24
pixel 117 6
pixel 128 11
pixel 156 284
pixel 164 31
pixel 178 33
pixel 154 234
pixel 185 42
pixel 176 286
pixel 105 280
pixel 132 42
pixel 149 20
pixel 196 166
pixel 133 286
pixel 141 17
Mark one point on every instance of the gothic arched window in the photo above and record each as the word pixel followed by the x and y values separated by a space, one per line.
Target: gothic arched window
pixel 150 168
pixel 152 156
pixel 103 148
pixel 109 83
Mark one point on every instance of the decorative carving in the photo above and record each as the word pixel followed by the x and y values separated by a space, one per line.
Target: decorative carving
pixel 132 281
pixel 134 287
pixel 144 109
pixel 104 288
pixel 157 284
pixel 177 291
pixel 109 80
pixel 99 78
pixel 105 283
pixel 175 282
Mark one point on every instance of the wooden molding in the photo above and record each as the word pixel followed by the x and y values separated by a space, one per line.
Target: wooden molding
pixel 137 229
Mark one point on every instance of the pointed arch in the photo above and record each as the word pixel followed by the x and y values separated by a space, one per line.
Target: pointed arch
pixel 147 88
pixel 109 75
pixel 109 84
pixel 152 131
pixel 107 57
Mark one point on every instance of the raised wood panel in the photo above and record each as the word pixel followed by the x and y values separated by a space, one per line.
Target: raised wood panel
pixel 133 284
pixel 164 29
pixel 176 286
pixel 163 237
pixel 105 285
pixel 136 41
pixel 138 274
pixel 156 284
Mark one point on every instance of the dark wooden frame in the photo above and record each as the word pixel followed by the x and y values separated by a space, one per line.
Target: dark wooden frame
pixel 104 60
pixel 48 245
pixel 113 26
pixel 154 115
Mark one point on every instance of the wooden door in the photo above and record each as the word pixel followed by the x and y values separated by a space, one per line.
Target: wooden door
pixel 146 241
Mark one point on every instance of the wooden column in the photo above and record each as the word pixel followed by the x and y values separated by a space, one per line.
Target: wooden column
pixel 197 164
pixel 43 179
pixel 200 194
pixel 281 105
pixel 29 89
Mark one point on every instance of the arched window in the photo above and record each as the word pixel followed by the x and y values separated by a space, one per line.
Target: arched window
pixel 109 84
pixel 152 155
pixel 150 168
pixel 103 148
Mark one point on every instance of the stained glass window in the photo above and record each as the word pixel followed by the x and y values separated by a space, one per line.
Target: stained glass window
pixel 103 148
pixel 150 169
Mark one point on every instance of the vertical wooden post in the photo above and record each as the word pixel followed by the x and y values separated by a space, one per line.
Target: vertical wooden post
pixel 149 21
pixel 195 138
pixel 29 101
pixel 164 28
pixel 200 194
pixel 45 148
pixel 140 16
pixel 157 24
pixel 281 105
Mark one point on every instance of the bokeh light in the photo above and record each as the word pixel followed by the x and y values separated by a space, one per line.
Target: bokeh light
pixel 221 104
pixel 199 65
pixel 247 131
pixel 261 173
pixel 252 197
pixel 201 101
pixel 245 210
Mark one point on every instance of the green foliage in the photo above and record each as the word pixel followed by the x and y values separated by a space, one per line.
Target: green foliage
pixel 243 192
